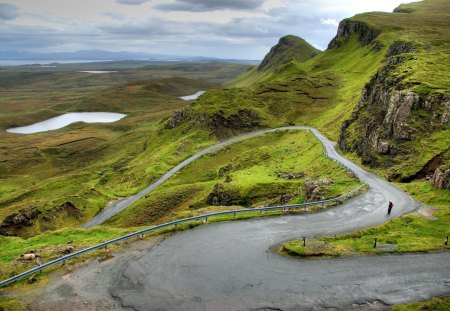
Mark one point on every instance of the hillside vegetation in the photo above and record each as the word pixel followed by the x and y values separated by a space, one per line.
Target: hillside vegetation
pixel 62 178
pixel 380 89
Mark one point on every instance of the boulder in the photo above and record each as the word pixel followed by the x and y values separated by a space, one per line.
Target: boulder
pixel 441 178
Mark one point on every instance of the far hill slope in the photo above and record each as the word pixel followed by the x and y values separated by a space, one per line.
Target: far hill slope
pixel 288 48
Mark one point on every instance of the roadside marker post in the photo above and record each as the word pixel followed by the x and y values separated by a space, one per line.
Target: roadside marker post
pixel 375 243
pixel 304 241
pixel 446 240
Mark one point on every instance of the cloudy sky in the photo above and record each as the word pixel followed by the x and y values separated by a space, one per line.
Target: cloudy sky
pixel 241 29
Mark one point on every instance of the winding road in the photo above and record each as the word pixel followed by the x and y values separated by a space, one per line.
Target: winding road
pixel 230 266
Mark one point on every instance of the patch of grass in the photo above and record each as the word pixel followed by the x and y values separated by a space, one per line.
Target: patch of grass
pixel 12 304
pixel 435 304
pixel 313 248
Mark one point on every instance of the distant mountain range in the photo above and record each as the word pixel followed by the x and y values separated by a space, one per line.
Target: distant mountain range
pixel 14 55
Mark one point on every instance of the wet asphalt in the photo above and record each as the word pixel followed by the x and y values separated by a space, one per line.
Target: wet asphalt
pixel 230 266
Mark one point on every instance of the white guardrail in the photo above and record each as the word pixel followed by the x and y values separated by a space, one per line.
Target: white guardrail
pixel 168 224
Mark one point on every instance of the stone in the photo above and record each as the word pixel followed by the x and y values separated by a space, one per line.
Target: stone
pixel 32 279
pixel 383 147
pixel 441 178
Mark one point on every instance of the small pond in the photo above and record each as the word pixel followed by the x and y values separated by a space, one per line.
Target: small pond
pixel 66 119
pixel 193 96
pixel 97 71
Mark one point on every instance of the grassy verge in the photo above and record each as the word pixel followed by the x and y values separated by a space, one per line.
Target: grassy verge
pixel 435 304
pixel 12 304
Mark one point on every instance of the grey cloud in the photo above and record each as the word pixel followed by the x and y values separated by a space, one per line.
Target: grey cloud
pixel 8 11
pixel 131 2
pixel 210 5
pixel 243 37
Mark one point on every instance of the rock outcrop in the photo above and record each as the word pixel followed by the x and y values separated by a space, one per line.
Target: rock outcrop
pixel 348 27
pixel 400 47
pixel 314 190
pixel 221 124
pixel 389 118
pixel 222 196
pixel 19 222
pixel 13 223
pixel 441 178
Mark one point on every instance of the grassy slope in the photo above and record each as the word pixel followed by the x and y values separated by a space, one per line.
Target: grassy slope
pixel 88 164
pixel 322 91
pixel 252 178
pixel 288 48
pixel 185 194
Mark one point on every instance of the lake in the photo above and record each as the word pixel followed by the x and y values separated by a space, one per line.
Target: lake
pixel 97 71
pixel 66 119
pixel 193 96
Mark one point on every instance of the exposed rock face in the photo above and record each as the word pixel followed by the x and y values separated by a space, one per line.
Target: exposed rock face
pixel 243 119
pixel 284 199
pixel 387 117
pixel 179 117
pixel 441 178
pixel 23 218
pixel 225 170
pixel 14 224
pixel 348 27
pixel 222 196
pixel 222 125
pixel 290 175
pixel 400 47
pixel 314 190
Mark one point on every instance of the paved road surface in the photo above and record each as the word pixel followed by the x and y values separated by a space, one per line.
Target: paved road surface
pixel 229 266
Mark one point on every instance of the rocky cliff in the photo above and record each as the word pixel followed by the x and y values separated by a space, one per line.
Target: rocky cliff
pixel 348 27
pixel 391 124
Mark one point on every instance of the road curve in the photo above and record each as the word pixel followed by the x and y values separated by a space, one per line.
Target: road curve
pixel 120 205
pixel 229 266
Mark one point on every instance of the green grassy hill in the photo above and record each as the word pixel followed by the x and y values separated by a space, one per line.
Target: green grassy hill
pixel 61 178
pixel 288 49
pixel 380 89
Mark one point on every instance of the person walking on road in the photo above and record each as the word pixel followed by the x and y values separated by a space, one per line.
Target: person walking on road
pixel 390 206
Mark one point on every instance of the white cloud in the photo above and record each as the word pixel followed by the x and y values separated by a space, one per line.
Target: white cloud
pixel 329 21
